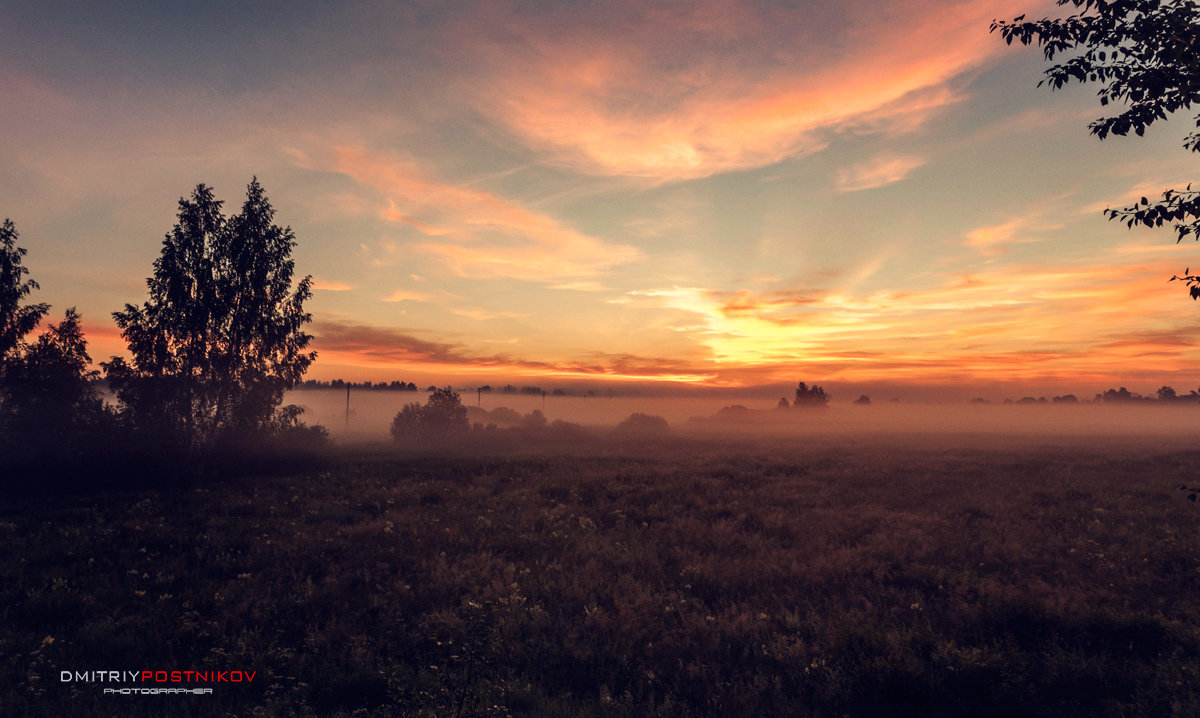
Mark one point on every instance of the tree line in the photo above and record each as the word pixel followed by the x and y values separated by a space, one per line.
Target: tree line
pixel 1162 396
pixel 342 384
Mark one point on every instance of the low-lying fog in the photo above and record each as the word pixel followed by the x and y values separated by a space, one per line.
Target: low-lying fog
pixel 371 412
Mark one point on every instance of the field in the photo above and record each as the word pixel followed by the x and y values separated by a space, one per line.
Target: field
pixel 832 577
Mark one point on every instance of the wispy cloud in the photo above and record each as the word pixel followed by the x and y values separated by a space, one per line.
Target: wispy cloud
pixel 328 285
pixel 482 315
pixel 404 295
pixel 359 344
pixel 877 172
pixel 477 233
pixel 995 239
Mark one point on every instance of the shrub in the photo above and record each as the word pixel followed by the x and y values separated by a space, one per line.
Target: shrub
pixel 442 417
pixel 642 425
pixel 534 420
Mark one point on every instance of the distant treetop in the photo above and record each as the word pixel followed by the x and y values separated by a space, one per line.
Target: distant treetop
pixel 810 397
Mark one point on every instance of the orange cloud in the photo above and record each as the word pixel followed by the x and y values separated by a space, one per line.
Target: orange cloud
pixel 996 238
pixel 482 314
pixel 326 285
pixel 402 295
pixel 601 91
pixel 476 233
pixel 744 303
pixel 353 344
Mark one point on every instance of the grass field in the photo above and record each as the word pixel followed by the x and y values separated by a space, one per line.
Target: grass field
pixel 699 578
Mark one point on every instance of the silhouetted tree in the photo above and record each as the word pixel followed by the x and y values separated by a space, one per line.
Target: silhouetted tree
pixel 16 320
pixel 48 389
pixel 810 397
pixel 1119 396
pixel 442 417
pixel 1165 394
pixel 783 403
pixel 1065 399
pixel 221 336
pixel 1146 54
pixel 863 400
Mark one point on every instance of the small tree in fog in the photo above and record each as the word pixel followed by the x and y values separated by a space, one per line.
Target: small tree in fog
pixel 442 417
pixel 810 397
pixel 640 425
pixel 534 420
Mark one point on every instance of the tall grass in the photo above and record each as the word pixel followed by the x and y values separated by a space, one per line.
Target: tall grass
pixel 693 580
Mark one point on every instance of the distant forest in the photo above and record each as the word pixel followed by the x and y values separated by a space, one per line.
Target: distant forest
pixel 1164 395
pixel 398 385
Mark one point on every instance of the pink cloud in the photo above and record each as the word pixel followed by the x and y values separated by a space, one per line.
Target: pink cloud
pixel 690 89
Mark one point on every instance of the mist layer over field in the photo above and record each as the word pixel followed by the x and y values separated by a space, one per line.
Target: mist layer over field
pixel 371 412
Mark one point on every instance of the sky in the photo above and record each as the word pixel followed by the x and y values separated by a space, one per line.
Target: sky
pixel 671 194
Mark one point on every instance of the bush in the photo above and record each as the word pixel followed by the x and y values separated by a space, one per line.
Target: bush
pixel 534 420
pixel 442 417
pixel 640 425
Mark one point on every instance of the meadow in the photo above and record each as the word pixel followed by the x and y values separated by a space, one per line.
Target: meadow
pixel 818 576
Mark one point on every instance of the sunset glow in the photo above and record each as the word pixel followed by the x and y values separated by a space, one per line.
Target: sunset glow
pixel 726 194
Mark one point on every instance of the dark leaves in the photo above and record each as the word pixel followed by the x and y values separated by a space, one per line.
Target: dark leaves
pixel 1146 53
pixel 220 337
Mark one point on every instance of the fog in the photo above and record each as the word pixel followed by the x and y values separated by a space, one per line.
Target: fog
pixel 371 413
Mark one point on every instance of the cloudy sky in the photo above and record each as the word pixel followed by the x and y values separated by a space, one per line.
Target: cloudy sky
pixel 713 192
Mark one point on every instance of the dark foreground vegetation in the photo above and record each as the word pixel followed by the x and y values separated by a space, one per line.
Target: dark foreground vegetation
pixel 688 579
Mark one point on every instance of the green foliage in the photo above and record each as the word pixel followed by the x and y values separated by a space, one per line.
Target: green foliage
pixel 1146 55
pixel 15 320
pixel 221 336
pixel 442 418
